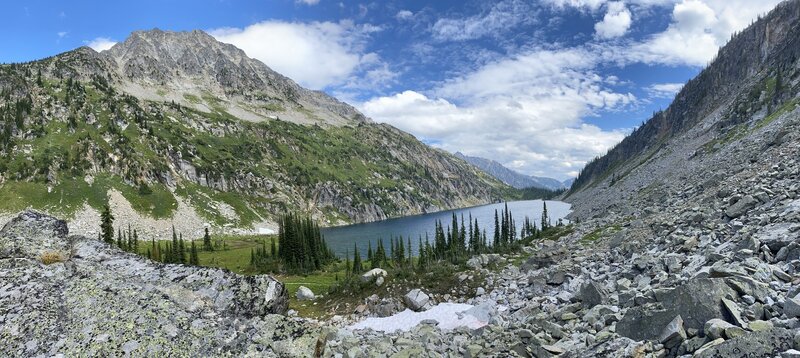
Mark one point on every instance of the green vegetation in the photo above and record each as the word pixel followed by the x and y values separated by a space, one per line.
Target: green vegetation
pixel 534 193
pixel 601 232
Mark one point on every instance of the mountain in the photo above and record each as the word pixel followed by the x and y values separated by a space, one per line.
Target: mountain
pixel 510 177
pixel 724 122
pixel 176 125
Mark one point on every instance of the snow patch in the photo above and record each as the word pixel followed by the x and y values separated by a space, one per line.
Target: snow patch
pixel 449 316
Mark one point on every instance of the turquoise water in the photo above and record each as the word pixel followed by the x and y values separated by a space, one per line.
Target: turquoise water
pixel 342 238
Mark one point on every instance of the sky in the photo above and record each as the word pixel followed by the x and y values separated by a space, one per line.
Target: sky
pixel 540 86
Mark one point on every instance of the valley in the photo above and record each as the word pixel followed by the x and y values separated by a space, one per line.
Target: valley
pixel 170 195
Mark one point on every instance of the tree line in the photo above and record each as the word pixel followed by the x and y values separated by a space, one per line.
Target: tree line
pixel 176 251
pixel 454 243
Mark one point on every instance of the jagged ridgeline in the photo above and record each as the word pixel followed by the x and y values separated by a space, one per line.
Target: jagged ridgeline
pixel 165 118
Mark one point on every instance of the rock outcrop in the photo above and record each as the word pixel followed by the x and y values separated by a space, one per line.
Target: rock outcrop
pixel 99 301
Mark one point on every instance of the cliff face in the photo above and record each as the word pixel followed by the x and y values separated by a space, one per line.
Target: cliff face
pixel 752 82
pixel 168 118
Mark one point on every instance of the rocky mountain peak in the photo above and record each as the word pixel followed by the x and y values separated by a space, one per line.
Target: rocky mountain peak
pixel 194 69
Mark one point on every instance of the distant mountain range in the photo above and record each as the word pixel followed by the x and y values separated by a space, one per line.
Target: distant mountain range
pixel 513 178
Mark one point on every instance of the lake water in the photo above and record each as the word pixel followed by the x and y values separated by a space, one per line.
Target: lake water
pixel 341 238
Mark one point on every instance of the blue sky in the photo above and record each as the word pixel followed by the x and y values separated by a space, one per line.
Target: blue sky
pixel 541 86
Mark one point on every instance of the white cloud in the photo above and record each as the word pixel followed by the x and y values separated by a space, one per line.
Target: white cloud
pixel 101 43
pixel 593 5
pixel 502 16
pixel 524 111
pixel 404 15
pixel 697 30
pixel 615 23
pixel 664 90
pixel 317 54
pixel 307 2
pixel 61 34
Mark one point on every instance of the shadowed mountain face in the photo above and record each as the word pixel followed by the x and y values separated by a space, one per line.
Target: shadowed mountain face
pixel 512 178
pixel 737 99
pixel 177 121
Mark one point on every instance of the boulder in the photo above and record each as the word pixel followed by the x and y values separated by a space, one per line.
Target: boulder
pixel 416 300
pixel 556 278
pixel 304 293
pixel 644 322
pixel 769 343
pixel 371 275
pixel 696 301
pixel 592 294
pixel 742 206
pixel 673 334
pixel 791 307
pixel 31 234
pixel 715 328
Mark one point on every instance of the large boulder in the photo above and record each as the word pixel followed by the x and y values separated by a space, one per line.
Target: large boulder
pixel 373 274
pixel 304 293
pixel 592 294
pixel 416 300
pixel 741 206
pixel 769 343
pixel 32 234
pixel 696 301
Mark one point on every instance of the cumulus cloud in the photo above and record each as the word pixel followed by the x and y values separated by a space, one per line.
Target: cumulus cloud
pixel 502 16
pixel 615 23
pixel 697 30
pixel 664 90
pixel 307 2
pixel 316 55
pixel 524 111
pixel 404 15
pixel 101 43
pixel 593 5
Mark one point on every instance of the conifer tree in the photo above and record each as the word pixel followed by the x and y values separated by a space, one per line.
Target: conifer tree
pixel 356 260
pixel 182 250
pixel 120 239
pixel 107 225
pixel 194 259
pixel 174 255
pixel 207 246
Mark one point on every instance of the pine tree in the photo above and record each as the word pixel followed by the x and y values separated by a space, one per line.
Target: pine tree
pixel 369 252
pixel 135 241
pixel 120 239
pixel 107 225
pixel 357 269
pixel 207 246
pixel 182 250
pixel 194 259
pixel 174 255
pixel 272 249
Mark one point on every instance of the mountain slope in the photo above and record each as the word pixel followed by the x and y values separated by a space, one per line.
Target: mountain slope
pixel 171 122
pixel 510 177
pixel 744 97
